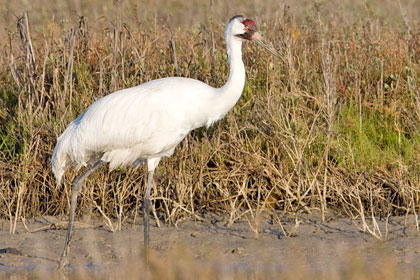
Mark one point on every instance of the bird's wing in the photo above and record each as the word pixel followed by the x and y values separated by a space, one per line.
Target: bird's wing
pixel 133 123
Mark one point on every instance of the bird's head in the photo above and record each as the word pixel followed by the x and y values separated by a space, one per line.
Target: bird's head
pixel 242 27
pixel 246 30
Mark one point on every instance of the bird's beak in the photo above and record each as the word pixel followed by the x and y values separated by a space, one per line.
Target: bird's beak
pixel 256 37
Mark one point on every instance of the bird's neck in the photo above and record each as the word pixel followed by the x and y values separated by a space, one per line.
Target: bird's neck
pixel 232 90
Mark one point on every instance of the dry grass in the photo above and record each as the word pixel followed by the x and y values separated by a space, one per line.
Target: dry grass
pixel 333 125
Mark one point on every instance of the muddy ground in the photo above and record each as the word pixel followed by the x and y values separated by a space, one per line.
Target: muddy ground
pixel 314 245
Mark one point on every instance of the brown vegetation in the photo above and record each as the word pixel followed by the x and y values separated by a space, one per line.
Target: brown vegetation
pixel 333 125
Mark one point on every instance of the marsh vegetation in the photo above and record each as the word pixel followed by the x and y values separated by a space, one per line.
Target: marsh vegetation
pixel 332 127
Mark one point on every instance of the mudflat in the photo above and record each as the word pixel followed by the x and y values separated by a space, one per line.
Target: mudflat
pixel 303 244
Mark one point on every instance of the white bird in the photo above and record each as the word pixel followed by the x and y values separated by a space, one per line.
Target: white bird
pixel 146 122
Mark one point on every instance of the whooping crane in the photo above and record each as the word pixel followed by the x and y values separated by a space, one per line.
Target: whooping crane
pixel 146 122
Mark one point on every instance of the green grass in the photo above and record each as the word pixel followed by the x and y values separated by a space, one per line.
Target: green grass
pixel 374 140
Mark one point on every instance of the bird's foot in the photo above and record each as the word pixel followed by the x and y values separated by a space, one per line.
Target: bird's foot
pixel 64 261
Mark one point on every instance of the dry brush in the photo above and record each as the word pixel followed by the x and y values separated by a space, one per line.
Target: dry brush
pixel 331 126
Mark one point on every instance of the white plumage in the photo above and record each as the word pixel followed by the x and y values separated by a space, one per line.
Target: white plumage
pixel 147 122
pixel 136 124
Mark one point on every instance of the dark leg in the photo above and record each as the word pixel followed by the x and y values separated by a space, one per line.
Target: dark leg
pixel 146 209
pixel 75 188
pixel 151 165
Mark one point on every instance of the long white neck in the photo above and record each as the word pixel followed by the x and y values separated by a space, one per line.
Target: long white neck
pixel 229 94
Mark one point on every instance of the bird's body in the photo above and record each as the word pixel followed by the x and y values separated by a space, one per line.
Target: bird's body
pixel 146 122
pixel 132 125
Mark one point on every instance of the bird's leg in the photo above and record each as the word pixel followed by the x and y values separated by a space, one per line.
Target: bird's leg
pixel 151 165
pixel 146 209
pixel 75 188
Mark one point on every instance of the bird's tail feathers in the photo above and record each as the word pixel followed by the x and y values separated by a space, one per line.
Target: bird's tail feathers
pixel 58 162
pixel 63 154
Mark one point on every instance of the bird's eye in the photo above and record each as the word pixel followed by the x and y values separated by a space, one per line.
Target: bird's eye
pixel 246 28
